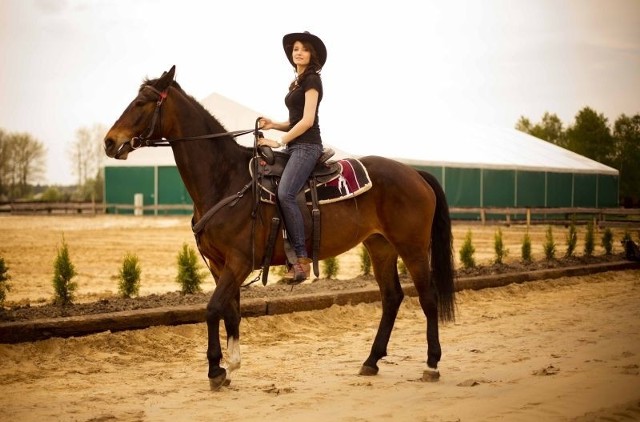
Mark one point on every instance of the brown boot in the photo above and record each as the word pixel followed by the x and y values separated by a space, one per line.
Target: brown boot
pixel 299 271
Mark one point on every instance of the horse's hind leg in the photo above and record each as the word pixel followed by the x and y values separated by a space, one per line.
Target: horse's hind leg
pixel 417 263
pixel 384 260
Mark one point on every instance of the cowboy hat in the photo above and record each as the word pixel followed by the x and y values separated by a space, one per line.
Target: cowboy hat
pixel 289 39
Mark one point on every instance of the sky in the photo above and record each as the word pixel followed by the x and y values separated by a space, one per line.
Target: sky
pixel 397 72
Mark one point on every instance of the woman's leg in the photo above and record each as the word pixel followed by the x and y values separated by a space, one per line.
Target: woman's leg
pixel 302 160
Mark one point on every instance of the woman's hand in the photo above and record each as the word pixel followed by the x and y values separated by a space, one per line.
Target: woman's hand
pixel 268 142
pixel 266 123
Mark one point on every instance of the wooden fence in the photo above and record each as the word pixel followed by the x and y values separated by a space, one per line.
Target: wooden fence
pixel 528 216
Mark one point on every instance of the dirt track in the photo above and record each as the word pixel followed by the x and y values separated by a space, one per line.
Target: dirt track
pixel 560 350
pixel 566 349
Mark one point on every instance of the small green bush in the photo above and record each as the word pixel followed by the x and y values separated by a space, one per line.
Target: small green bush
pixel 280 271
pixel 129 276
pixel 330 267
pixel 549 246
pixel 572 239
pixel 4 278
pixel 467 251
pixel 365 261
pixel 63 272
pixel 607 241
pixel 498 246
pixel 402 267
pixel 589 240
pixel 189 275
pixel 526 248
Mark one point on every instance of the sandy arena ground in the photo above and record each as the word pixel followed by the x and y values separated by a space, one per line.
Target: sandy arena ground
pixel 561 350
pixel 567 349
pixel 97 246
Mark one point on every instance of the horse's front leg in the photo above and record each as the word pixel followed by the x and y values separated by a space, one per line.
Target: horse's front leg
pixel 232 325
pixel 224 304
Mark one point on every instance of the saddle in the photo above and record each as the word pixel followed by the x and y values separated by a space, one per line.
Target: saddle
pixel 268 170
pixel 272 163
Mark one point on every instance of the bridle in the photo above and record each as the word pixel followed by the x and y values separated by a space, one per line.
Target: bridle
pixel 143 140
pixel 146 140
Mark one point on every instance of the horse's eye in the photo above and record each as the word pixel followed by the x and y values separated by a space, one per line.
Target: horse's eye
pixel 139 103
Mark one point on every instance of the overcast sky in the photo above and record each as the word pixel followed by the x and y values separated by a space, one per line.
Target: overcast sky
pixel 396 69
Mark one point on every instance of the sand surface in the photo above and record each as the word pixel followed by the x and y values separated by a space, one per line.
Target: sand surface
pixel 567 349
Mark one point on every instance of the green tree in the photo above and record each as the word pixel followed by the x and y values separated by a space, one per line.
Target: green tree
pixel 22 163
pixel 626 132
pixel 607 241
pixel 549 245
pixel 330 267
pixel 5 160
pixel 467 251
pixel 129 276
pixel 402 267
pixel 589 240
pixel 189 274
pixel 526 248
pixel 590 136
pixel 365 261
pixel 86 153
pixel 63 272
pixel 572 239
pixel 4 285
pixel 498 246
pixel 550 129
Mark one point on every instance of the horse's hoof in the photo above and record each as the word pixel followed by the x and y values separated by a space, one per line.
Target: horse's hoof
pixel 430 375
pixel 368 371
pixel 220 381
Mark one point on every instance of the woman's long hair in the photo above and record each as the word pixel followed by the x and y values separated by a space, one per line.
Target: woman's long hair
pixel 313 67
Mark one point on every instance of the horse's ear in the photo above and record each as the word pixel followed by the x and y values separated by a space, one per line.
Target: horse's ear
pixel 166 78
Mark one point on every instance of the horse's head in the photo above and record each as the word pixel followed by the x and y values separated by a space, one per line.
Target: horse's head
pixel 140 120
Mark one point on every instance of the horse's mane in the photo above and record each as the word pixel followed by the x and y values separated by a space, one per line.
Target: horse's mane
pixel 213 120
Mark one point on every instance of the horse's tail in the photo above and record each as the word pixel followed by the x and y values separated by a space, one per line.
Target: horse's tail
pixel 442 265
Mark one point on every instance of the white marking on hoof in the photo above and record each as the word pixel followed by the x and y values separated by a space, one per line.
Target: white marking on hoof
pixel 233 346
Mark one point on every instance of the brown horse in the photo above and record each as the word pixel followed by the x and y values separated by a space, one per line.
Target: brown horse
pixel 404 214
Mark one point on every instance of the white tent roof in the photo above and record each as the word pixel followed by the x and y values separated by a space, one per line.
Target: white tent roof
pixel 454 146
pixel 490 147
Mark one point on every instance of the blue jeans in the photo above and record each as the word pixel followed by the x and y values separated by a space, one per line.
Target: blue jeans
pixel 302 160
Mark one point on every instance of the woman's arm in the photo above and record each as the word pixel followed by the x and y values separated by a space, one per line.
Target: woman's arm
pixel 308 118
